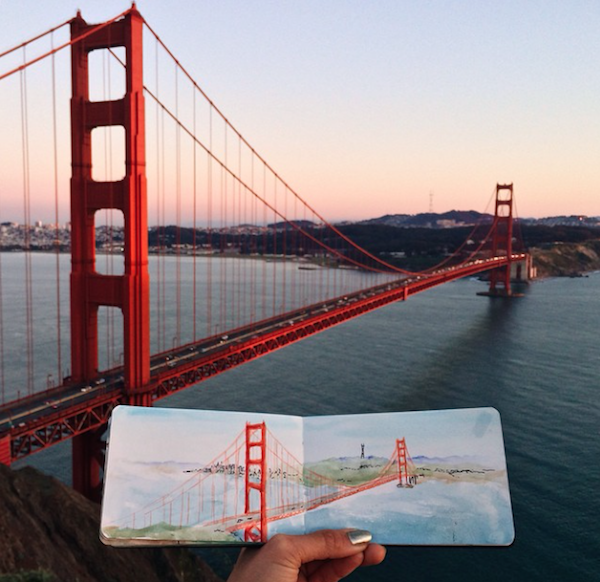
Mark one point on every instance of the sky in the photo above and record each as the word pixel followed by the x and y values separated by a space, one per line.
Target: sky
pixel 373 108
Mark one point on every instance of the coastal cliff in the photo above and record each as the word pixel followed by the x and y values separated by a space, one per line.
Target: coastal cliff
pixel 566 259
pixel 49 533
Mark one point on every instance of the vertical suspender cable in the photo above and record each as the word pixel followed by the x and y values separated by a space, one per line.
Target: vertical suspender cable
pixel 2 375
pixel 240 282
pixel 294 253
pixel 329 262
pixel 157 231
pixel 246 242
pixel 287 286
pixel 158 286
pixel 275 310
pixel 306 244
pixel 223 288
pixel 265 249
pixel 177 209
pixel 194 222
pixel 284 249
pixel 27 219
pixel 56 222
pixel 254 247
pixel 209 222
pixel 228 205
pixel 162 224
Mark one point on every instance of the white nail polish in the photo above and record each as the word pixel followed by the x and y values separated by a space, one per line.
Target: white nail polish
pixel 359 536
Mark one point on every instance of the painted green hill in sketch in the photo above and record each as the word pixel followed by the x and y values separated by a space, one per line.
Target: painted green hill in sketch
pixel 347 470
pixel 353 471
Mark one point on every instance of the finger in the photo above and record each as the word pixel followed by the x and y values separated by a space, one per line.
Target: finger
pixel 329 543
pixel 336 569
pixel 374 554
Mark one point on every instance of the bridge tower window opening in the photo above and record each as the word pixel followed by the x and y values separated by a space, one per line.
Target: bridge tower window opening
pixel 107 81
pixel 110 333
pixel 109 242
pixel 108 153
pixel 503 211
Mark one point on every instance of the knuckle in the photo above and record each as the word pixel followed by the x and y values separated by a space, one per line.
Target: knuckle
pixel 280 543
pixel 331 538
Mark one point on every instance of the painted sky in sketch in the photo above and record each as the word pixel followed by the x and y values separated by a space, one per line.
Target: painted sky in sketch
pixel 148 435
pixel 368 108
pixel 155 435
pixel 471 432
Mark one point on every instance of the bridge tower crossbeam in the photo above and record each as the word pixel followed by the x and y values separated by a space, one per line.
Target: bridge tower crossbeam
pixel 89 289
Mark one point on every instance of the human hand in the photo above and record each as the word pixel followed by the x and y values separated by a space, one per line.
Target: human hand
pixel 326 555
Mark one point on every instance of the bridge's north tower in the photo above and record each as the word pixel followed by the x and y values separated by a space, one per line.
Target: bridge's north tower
pixel 90 289
pixel 502 240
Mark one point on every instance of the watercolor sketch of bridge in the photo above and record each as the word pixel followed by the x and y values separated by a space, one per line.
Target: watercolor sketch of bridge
pixel 200 477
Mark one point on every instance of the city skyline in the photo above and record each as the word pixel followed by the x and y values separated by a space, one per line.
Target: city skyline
pixel 387 108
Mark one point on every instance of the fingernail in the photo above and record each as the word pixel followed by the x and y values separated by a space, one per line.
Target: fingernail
pixel 359 536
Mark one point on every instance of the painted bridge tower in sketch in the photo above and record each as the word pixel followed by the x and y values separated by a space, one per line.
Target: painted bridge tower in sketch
pixel 89 289
pixel 256 481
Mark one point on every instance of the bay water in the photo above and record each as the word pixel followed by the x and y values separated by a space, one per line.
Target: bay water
pixel 535 358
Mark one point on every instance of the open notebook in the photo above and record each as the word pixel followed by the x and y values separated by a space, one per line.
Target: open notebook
pixel 202 477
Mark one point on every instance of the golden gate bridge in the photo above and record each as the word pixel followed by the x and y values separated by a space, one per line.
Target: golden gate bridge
pixel 252 482
pixel 165 307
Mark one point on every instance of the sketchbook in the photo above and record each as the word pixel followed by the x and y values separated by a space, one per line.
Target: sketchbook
pixel 204 477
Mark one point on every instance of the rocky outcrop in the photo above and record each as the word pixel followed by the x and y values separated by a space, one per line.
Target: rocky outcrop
pixel 48 528
pixel 561 259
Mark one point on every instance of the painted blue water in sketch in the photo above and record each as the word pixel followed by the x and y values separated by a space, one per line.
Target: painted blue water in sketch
pixel 430 513
pixel 535 359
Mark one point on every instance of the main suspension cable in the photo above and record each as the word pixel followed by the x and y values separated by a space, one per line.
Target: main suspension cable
pixel 70 42
pixel 275 174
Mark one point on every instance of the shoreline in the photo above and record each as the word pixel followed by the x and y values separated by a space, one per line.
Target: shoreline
pixel 558 259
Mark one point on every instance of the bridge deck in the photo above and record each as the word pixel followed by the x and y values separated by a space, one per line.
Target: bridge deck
pixel 42 420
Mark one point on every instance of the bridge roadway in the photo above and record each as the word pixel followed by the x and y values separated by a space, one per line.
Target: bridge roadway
pixel 46 418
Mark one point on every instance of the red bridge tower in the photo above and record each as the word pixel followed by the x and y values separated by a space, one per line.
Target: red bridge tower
pixel 502 240
pixel 89 289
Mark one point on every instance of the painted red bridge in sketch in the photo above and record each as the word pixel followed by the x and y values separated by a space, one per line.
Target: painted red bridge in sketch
pixel 253 482
pixel 241 264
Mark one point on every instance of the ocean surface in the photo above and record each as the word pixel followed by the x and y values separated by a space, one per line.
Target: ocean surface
pixel 536 359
